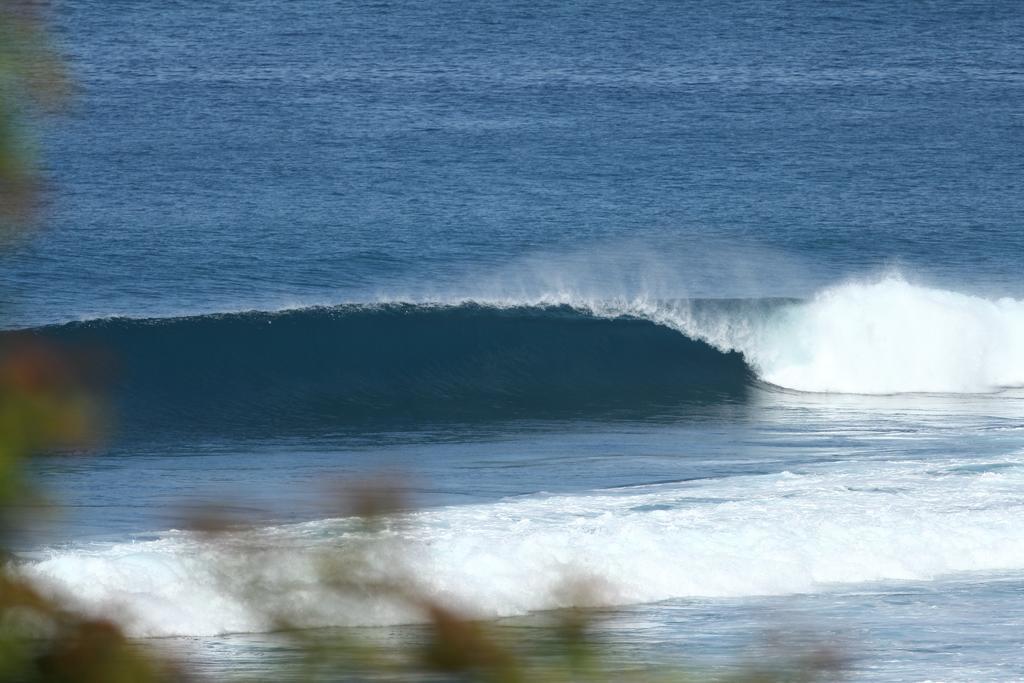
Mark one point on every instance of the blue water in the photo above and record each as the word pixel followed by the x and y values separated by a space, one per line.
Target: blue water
pixel 677 289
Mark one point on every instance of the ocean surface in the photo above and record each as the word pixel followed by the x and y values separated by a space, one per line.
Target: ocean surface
pixel 720 305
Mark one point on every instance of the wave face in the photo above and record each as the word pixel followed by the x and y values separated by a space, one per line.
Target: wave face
pixel 254 372
pixel 811 530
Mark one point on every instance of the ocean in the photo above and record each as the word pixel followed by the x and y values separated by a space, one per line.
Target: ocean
pixel 719 305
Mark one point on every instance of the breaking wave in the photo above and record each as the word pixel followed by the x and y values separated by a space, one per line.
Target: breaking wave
pixel 553 356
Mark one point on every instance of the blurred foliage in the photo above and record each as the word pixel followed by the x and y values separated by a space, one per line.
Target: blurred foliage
pixel 31 78
pixel 46 404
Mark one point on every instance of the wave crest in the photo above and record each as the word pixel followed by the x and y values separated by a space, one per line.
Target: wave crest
pixel 326 367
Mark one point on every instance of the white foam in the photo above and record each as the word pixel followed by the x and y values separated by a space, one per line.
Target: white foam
pixel 887 336
pixel 883 336
pixel 776 534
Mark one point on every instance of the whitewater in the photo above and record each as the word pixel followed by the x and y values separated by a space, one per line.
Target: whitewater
pixel 797 532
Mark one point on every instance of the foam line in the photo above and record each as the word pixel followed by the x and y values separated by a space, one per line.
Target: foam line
pixel 792 532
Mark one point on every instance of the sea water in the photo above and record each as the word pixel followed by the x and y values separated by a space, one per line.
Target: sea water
pixel 719 306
